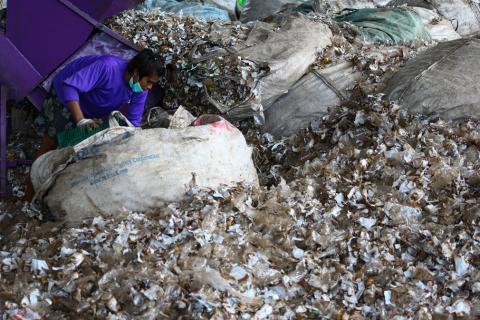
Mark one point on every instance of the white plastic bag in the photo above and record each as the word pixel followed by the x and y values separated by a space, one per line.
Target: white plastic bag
pixel 126 169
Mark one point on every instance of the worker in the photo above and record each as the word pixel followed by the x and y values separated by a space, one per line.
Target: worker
pixel 88 89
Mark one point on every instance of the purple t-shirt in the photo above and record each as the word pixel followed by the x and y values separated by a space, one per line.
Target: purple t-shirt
pixel 98 84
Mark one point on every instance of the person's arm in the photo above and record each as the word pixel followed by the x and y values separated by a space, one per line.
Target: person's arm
pixel 78 117
pixel 84 80
pixel 76 111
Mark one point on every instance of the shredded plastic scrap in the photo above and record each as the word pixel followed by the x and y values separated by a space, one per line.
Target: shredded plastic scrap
pixel 202 52
pixel 353 226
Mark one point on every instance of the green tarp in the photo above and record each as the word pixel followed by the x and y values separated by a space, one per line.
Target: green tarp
pixel 385 25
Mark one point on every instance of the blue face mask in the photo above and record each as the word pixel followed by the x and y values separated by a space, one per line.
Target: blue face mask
pixel 135 86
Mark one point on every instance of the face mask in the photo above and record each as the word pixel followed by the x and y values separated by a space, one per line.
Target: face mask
pixel 135 86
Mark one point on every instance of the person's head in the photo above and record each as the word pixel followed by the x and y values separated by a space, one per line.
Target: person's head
pixel 146 68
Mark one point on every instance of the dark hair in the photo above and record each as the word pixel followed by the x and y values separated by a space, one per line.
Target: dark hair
pixel 147 63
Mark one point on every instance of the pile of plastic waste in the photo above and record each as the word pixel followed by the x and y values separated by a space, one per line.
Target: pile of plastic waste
pixel 371 214
pixel 368 212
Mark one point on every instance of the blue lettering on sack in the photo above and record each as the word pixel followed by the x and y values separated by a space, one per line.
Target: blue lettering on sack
pixel 113 171
pixel 108 177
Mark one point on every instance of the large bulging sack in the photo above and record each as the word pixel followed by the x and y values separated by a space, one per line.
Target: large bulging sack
pixel 288 53
pixel 285 50
pixel 138 170
pixel 310 99
pixel 443 80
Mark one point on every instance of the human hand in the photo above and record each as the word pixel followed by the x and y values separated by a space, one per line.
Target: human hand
pixel 89 124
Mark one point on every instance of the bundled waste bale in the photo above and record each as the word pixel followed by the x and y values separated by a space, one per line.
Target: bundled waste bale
pixel 339 69
pixel 310 98
pixel 287 52
pixel 387 25
pixel 442 80
pixel 122 169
